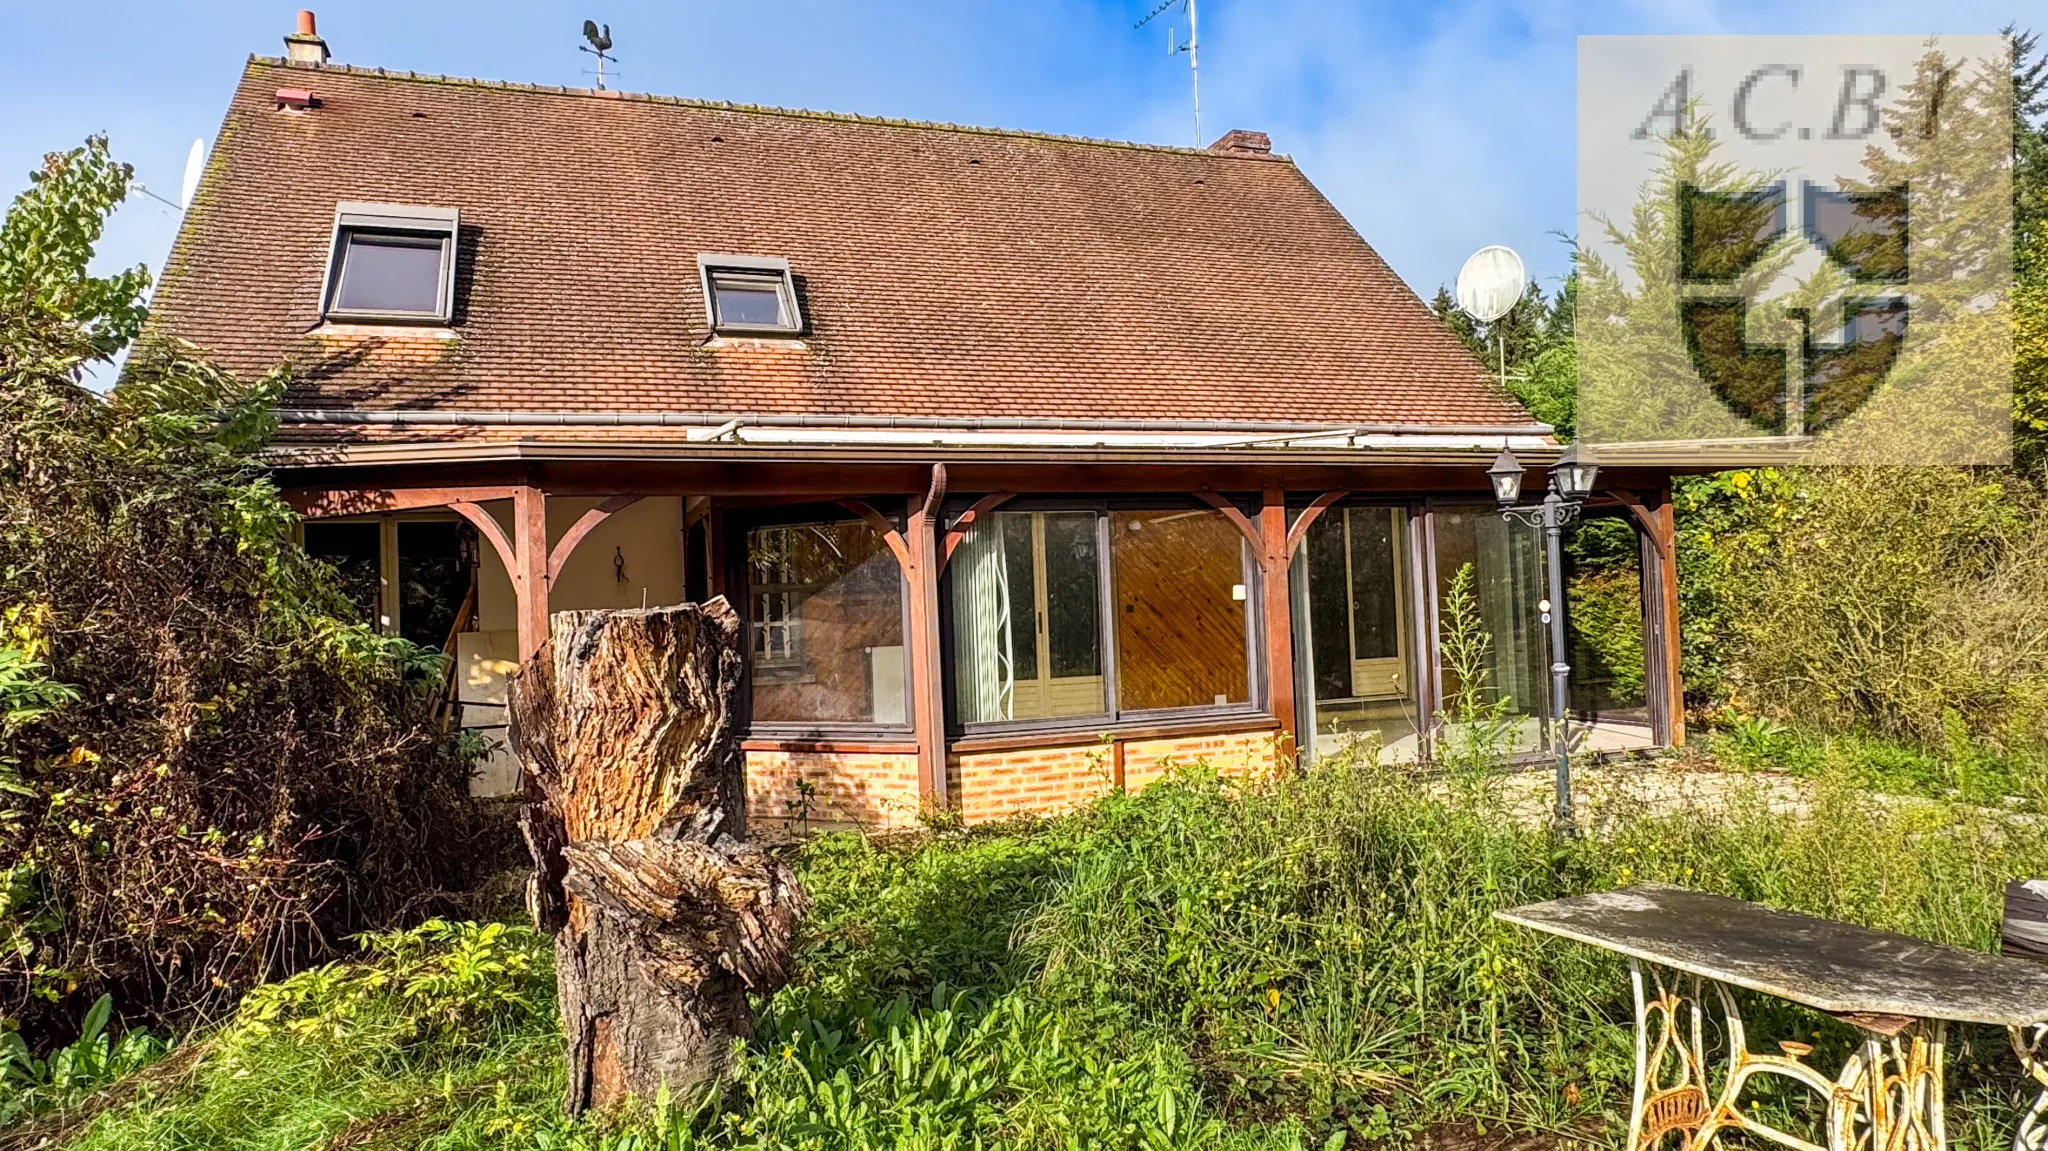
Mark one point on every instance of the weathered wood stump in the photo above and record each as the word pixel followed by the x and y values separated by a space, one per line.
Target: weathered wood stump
pixel 663 917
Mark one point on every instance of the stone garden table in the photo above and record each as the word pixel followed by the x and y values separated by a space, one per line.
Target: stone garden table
pixel 1899 992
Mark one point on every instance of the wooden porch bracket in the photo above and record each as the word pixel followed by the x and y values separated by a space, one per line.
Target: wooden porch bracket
pixel 1230 511
pixel 487 526
pixel 566 546
pixel 1307 519
pixel 890 533
pixel 919 553
pixel 967 520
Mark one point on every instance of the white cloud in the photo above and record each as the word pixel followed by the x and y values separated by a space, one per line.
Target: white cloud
pixel 1439 130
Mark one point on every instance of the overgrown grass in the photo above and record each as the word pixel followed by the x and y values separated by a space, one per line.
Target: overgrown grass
pixel 1964 770
pixel 1310 963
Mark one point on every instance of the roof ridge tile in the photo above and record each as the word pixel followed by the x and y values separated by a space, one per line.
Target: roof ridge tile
pixel 760 109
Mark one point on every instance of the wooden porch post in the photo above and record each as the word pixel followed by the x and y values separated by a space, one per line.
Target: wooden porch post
pixel 928 715
pixel 1664 537
pixel 1274 552
pixel 530 580
pixel 1662 681
pixel 921 555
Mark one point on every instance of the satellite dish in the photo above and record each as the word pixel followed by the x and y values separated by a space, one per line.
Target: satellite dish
pixel 1491 283
pixel 195 163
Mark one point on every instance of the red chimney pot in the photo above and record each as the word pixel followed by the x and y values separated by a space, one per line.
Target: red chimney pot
pixel 305 45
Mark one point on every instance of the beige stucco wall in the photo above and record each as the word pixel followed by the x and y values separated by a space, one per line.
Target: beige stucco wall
pixel 648 535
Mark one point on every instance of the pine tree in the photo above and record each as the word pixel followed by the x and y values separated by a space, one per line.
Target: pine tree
pixel 1461 325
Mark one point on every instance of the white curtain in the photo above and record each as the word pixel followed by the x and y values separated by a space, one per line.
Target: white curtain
pixel 983 672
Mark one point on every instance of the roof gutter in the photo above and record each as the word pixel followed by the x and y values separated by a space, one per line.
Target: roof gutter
pixel 724 423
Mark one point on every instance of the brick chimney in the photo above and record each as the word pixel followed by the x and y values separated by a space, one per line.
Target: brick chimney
pixel 1239 142
pixel 305 45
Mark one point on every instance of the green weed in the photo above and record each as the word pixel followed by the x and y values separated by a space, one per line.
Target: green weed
pixel 1305 963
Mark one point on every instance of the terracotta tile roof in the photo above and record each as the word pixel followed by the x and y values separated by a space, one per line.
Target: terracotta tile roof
pixel 944 271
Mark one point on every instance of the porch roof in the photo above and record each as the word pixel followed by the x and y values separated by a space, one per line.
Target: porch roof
pixel 944 272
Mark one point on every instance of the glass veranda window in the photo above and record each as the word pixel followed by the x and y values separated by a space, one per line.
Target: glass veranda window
pixel 1027 623
pixel 1604 626
pixel 825 606
pixel 1349 583
pixel 1503 582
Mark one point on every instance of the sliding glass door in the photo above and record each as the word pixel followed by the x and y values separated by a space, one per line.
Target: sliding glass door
pixel 1490 582
pixel 1352 620
pixel 1027 617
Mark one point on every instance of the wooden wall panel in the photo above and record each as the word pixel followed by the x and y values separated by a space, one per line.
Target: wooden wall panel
pixel 1180 626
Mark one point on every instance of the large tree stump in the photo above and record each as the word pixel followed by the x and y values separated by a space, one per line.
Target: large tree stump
pixel 664 919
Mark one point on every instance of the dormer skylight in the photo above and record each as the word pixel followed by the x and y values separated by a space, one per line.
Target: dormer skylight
pixel 391 263
pixel 750 295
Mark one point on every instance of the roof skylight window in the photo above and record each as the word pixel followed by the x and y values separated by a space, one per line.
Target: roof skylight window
pixel 391 263
pixel 750 295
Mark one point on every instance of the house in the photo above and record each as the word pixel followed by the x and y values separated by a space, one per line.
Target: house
pixel 1032 462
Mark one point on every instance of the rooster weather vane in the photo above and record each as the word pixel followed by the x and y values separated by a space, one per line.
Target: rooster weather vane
pixel 600 45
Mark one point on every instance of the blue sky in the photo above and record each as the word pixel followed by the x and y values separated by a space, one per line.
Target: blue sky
pixel 1436 128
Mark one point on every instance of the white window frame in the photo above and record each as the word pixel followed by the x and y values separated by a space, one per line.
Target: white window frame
pixel 400 220
pixel 778 643
pixel 766 269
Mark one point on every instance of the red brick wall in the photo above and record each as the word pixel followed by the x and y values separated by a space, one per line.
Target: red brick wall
pixel 1039 781
pixel 1045 781
pixel 853 789
pixel 878 791
pixel 1232 753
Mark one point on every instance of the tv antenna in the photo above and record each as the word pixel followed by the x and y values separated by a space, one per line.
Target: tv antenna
pixel 1489 286
pixel 1173 46
pixel 600 45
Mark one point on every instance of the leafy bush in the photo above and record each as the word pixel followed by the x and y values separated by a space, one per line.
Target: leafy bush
pixel 206 778
pixel 29 1085
pixel 1899 602
pixel 1326 947
pixel 433 1022
pixel 438 985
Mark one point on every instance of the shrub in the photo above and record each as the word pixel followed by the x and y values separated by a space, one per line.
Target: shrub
pixel 1325 947
pixel 1901 602
pixel 209 779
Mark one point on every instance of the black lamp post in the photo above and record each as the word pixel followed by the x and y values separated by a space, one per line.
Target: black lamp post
pixel 1571 481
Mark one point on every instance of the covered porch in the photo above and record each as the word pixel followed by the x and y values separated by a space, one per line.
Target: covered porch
pixel 996 633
